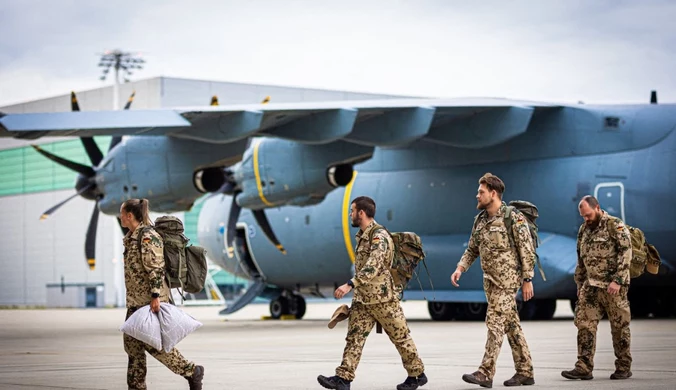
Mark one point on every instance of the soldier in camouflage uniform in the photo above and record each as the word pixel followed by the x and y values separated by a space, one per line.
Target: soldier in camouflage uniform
pixel 145 283
pixel 602 278
pixel 374 300
pixel 506 269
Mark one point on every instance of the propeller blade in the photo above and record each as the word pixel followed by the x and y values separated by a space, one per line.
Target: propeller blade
pixel 90 242
pixel 262 221
pixel 74 106
pixel 117 139
pixel 214 100
pixel 79 168
pixel 130 100
pixel 232 225
pixel 124 229
pixel 53 209
pixel 93 151
pixel 653 97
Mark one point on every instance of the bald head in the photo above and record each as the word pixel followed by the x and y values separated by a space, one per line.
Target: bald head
pixel 590 210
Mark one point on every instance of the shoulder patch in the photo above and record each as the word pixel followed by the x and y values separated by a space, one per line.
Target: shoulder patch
pixel 376 239
pixel 146 240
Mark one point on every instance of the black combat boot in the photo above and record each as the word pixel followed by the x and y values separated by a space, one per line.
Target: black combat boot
pixel 478 378
pixel 413 382
pixel 334 382
pixel 620 375
pixel 576 373
pixel 195 381
pixel 518 380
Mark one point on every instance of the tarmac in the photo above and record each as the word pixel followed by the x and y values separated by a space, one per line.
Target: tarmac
pixel 82 349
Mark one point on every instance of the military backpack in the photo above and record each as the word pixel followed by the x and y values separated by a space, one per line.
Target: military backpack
pixel 408 252
pixel 530 213
pixel 185 265
pixel 644 256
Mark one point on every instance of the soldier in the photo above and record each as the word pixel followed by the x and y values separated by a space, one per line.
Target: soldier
pixel 506 268
pixel 602 277
pixel 374 300
pixel 145 283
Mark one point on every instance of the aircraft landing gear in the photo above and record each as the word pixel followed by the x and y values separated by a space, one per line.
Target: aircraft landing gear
pixel 288 304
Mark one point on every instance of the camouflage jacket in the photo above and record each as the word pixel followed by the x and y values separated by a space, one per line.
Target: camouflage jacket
pixel 603 256
pixel 144 269
pixel 373 281
pixel 502 264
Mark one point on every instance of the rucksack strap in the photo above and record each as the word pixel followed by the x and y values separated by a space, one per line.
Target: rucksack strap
pixel 510 233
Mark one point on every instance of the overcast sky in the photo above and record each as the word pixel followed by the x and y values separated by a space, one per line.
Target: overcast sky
pixel 564 51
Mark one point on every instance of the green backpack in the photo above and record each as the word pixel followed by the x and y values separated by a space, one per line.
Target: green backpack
pixel 185 265
pixel 530 212
pixel 644 256
pixel 408 252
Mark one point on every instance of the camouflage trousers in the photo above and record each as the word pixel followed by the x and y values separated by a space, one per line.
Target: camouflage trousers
pixel 502 318
pixel 136 365
pixel 360 323
pixel 591 305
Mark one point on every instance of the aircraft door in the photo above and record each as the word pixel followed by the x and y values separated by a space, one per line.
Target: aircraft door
pixel 611 198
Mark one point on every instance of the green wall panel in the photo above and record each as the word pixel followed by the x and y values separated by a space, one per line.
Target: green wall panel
pixel 23 170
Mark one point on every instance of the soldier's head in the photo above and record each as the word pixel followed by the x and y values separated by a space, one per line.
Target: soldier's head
pixel 133 212
pixel 362 211
pixel 490 191
pixel 590 210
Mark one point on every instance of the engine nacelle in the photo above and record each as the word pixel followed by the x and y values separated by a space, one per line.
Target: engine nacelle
pixel 209 179
pixel 276 172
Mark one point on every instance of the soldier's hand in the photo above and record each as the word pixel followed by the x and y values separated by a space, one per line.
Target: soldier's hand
pixel 613 288
pixel 527 290
pixel 341 291
pixel 155 305
pixel 455 277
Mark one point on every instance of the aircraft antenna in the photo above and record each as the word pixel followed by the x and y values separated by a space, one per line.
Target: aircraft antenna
pixel 119 61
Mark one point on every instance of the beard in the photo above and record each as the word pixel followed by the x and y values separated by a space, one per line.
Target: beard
pixel 594 222
pixel 482 205
pixel 355 222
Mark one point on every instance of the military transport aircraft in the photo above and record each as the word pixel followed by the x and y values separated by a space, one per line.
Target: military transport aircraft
pixel 281 177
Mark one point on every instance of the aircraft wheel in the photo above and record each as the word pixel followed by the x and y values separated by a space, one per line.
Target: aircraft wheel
pixel 298 306
pixel 527 310
pixel 573 305
pixel 279 307
pixel 545 309
pixel 441 311
pixel 472 311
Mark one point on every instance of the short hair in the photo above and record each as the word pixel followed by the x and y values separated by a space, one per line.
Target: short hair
pixel 493 183
pixel 590 200
pixel 366 204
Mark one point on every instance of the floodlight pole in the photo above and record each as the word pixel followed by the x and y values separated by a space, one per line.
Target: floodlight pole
pixel 118 59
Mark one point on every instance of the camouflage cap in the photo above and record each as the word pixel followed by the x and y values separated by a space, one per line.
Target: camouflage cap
pixel 341 313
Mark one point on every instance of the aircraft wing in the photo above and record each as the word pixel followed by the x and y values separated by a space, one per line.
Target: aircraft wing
pixel 467 123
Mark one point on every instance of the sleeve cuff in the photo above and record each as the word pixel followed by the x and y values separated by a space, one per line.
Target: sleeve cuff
pixel 354 282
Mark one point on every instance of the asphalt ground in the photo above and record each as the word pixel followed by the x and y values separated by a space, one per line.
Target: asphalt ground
pixel 82 349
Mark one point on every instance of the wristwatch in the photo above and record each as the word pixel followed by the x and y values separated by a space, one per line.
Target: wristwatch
pixel 155 295
pixel 349 283
pixel 527 279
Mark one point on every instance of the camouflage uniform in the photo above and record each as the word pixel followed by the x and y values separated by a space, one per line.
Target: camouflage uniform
pixel 603 257
pixel 143 276
pixel 504 269
pixel 374 300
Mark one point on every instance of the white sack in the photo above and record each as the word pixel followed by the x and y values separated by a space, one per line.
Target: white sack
pixel 144 325
pixel 175 325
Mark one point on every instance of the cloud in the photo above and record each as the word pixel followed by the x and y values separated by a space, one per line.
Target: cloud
pixel 600 52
